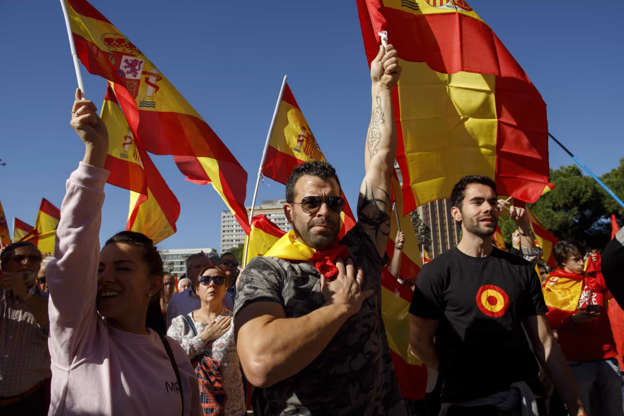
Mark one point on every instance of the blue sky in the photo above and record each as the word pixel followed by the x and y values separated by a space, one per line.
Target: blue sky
pixel 228 59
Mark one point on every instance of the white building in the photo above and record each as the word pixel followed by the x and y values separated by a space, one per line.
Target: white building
pixel 232 235
pixel 174 259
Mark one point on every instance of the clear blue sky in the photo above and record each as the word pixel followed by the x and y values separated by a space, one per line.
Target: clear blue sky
pixel 228 58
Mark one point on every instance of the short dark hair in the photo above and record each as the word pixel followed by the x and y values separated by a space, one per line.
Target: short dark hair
pixel 150 253
pixel 9 251
pixel 193 257
pixel 322 170
pixel 566 248
pixel 459 190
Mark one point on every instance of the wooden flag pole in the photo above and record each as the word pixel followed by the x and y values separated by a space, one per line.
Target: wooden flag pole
pixel 72 48
pixel 266 145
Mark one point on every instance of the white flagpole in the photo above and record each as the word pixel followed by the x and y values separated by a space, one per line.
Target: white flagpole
pixel 73 49
pixel 266 145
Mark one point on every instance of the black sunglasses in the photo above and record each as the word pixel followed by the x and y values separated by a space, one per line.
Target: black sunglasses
pixel 311 204
pixel 218 280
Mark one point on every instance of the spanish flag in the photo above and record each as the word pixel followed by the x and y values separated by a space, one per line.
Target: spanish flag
pixel 395 301
pixel 292 143
pixel 47 220
pixel 499 240
pixel 463 104
pixel 264 233
pixel 544 239
pixel 162 121
pixel 154 209
pixel 22 230
pixel 5 237
pixel 562 291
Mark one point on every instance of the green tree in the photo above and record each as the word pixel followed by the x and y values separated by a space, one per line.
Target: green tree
pixel 615 181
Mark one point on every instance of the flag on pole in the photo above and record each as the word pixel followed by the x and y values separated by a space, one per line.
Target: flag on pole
pixel 162 121
pixel 544 239
pixel 614 226
pixel 47 220
pixel 292 143
pixel 463 104
pixel 22 230
pixel 154 209
pixel 264 233
pixel 5 237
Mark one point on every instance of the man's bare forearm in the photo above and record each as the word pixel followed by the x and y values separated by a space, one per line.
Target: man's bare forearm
pixel 274 348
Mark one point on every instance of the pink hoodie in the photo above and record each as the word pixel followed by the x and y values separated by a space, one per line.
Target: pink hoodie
pixel 98 369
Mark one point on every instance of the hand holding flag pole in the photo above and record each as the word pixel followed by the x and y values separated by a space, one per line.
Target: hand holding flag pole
pixel 72 48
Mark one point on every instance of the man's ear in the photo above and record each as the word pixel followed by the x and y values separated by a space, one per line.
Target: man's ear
pixel 288 212
pixel 456 214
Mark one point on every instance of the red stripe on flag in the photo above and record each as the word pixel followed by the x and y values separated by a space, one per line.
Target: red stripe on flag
pixel 288 96
pixel 166 199
pixel 85 9
pixel 120 173
pixel 412 378
pixel 278 165
pixel 261 222
pixel 48 208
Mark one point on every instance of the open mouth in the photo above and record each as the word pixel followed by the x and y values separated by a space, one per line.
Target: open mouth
pixel 106 294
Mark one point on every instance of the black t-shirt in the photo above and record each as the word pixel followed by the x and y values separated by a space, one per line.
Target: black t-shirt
pixel 480 304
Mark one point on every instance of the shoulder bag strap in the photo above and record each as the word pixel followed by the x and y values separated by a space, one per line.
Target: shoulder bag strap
pixel 175 367
pixel 190 323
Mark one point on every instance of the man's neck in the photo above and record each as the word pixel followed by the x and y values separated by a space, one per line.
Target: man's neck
pixel 475 246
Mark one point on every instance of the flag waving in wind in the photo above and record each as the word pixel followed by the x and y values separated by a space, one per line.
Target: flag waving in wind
pixel 463 104
pixel 154 209
pixel 292 143
pixel 162 121
pixel 5 237
pixel 48 218
pixel 22 230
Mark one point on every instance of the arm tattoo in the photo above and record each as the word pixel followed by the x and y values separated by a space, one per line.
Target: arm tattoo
pixel 374 133
pixel 372 213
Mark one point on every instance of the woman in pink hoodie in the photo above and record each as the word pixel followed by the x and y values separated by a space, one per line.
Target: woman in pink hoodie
pixel 105 360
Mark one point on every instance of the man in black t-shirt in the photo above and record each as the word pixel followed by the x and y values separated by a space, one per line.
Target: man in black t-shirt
pixel 469 309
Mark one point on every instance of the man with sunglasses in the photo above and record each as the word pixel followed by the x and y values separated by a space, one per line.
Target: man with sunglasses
pixel 229 264
pixel 25 360
pixel 307 314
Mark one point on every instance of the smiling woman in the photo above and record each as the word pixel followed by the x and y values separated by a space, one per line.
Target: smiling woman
pixel 104 359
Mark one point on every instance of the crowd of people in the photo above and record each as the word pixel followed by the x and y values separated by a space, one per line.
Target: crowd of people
pixel 103 331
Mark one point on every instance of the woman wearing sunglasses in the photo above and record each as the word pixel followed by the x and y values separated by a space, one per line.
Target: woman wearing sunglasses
pixel 207 336
pixel 105 361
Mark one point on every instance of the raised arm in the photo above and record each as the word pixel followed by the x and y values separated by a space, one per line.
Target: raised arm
pixel 375 203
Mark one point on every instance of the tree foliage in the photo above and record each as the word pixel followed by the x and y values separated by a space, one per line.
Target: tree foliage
pixel 238 252
pixel 578 208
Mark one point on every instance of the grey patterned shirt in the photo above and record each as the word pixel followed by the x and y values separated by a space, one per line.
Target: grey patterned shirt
pixel 354 374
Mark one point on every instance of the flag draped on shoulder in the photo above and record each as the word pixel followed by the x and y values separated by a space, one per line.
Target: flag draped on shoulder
pixel 162 121
pixel 22 230
pixel 292 143
pixel 463 104
pixel 264 233
pixel 5 237
pixel 154 209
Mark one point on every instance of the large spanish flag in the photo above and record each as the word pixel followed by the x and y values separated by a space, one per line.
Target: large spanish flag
pixel 22 230
pixel 162 121
pixel 463 104
pixel 154 209
pixel 544 239
pixel 264 233
pixel 5 237
pixel 562 291
pixel 292 143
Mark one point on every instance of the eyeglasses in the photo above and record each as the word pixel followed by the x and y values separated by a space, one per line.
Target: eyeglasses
pixel 21 257
pixel 218 280
pixel 311 204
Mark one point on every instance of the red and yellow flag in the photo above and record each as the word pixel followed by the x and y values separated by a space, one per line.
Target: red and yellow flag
pixel 47 220
pixel 154 209
pixel 395 302
pixel 562 292
pixel 22 230
pixel 544 239
pixel 614 226
pixel 292 143
pixel 162 121
pixel 264 233
pixel 499 240
pixel 463 104
pixel 5 237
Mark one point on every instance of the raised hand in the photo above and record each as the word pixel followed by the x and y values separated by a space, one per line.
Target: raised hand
pixel 385 69
pixel 91 130
pixel 346 288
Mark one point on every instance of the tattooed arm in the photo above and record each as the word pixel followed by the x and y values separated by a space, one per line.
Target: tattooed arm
pixel 375 203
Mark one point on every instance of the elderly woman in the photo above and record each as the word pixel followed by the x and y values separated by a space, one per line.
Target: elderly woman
pixel 105 361
pixel 207 336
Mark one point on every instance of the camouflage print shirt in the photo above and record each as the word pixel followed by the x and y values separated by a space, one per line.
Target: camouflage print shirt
pixel 354 374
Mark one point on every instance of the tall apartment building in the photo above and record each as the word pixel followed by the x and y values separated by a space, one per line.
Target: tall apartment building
pixel 445 232
pixel 174 259
pixel 232 235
